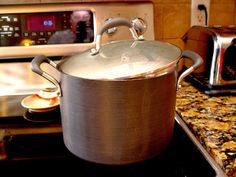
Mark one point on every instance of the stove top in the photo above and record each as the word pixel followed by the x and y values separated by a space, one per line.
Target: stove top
pixel 35 142
pixel 47 152
pixel 40 148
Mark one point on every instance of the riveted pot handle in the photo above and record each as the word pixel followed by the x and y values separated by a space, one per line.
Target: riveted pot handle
pixel 35 66
pixel 197 61
pixel 118 21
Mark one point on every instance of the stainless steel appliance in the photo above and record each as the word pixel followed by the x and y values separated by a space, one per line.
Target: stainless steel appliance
pixel 33 141
pixel 27 31
pixel 216 45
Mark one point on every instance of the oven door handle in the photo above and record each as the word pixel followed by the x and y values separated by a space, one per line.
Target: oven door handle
pixel 35 66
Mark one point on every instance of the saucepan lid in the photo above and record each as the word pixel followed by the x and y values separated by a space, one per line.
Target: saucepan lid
pixel 122 59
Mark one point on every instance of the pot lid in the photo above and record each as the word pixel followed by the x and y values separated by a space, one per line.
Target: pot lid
pixel 122 59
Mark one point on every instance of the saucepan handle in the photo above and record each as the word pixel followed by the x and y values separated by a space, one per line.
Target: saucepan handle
pixel 197 61
pixel 35 66
pixel 118 21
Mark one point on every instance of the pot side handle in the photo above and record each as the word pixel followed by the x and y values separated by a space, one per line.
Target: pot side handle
pixel 35 66
pixel 197 61
pixel 118 21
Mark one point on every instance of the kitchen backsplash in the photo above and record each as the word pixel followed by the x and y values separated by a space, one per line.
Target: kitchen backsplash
pixel 172 17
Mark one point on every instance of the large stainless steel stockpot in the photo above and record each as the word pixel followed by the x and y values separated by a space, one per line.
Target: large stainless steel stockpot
pixel 117 101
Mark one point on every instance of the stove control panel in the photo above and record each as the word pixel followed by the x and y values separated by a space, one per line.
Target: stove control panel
pixel 69 28
pixel 42 28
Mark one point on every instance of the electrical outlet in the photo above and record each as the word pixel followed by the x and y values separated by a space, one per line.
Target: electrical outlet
pixel 200 15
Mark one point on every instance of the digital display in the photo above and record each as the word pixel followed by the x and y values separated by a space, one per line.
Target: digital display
pixel 40 22
pixel 44 28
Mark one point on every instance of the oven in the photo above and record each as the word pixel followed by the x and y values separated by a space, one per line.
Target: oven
pixel 33 141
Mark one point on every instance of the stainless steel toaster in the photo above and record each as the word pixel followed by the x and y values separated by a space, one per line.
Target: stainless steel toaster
pixel 217 47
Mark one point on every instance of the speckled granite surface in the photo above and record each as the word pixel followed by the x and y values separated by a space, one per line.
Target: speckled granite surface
pixel 213 121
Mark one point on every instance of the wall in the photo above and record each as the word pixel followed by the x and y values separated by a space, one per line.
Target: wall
pixel 172 17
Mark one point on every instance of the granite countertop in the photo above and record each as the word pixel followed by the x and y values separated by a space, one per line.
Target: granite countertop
pixel 213 121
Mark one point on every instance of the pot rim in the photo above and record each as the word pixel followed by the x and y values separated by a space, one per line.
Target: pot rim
pixel 171 68
pixel 144 59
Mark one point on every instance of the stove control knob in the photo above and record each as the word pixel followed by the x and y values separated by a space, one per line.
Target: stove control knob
pixel 139 25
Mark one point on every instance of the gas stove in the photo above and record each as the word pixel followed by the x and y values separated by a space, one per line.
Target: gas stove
pixel 35 141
